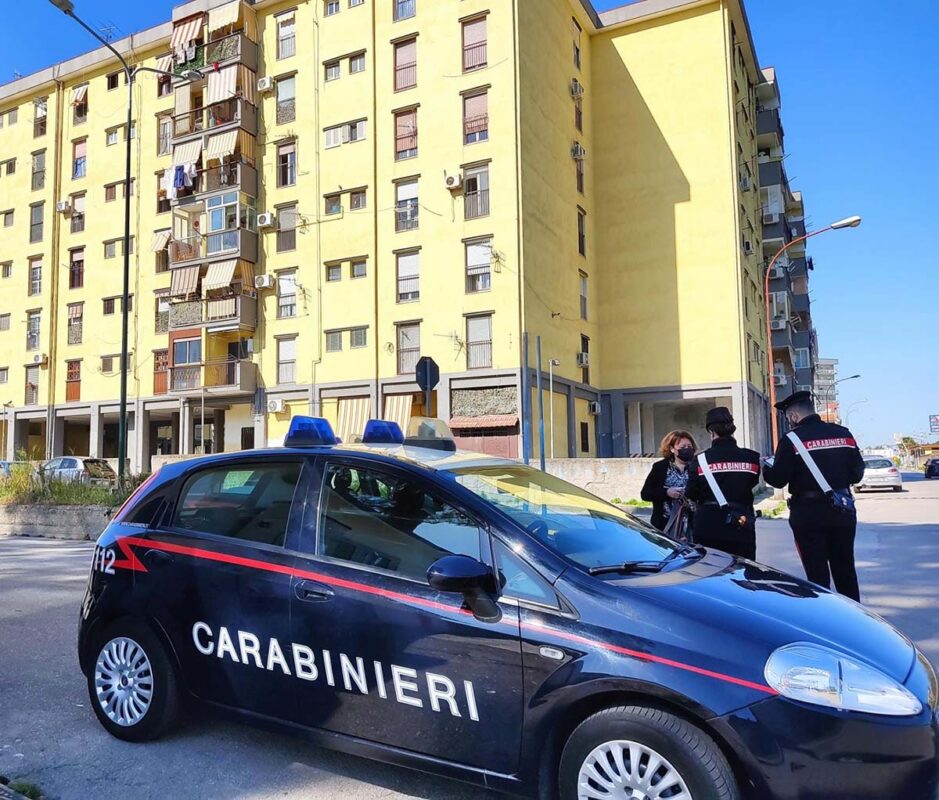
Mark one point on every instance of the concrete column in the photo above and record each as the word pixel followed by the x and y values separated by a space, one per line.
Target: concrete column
pixel 647 420
pixel 95 433
pixel 614 436
pixel 260 429
pixel 143 441
pixel 9 431
pixel 58 437
pixel 185 428
pixel 176 426
pixel 218 432
pixel 20 436
pixel 443 399
pixel 741 412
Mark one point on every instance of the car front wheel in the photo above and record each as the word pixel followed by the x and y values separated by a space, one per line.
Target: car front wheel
pixel 131 683
pixel 639 752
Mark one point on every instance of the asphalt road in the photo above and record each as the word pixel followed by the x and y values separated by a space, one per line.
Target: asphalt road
pixel 49 735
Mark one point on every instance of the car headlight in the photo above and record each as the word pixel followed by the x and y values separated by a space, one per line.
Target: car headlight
pixel 814 674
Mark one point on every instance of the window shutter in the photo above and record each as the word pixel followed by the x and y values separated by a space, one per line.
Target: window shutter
pixel 406 191
pixel 406 53
pixel 474 32
pixel 408 265
pixel 479 329
pixel 475 105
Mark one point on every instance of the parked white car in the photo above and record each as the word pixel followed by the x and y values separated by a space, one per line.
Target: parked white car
pixel 81 470
pixel 880 473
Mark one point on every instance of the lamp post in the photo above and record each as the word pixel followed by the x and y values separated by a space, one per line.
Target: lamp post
pixel 830 393
pixel 848 222
pixel 552 363
pixel 67 7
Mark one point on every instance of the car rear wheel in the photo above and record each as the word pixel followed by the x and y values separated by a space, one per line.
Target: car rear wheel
pixel 639 753
pixel 132 684
pixel 898 488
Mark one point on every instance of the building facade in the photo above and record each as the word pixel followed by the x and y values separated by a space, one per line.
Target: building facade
pixel 826 389
pixel 352 184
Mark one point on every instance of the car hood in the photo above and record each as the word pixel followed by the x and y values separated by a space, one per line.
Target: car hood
pixel 760 605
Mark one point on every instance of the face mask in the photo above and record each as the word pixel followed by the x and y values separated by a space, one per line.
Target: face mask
pixel 686 453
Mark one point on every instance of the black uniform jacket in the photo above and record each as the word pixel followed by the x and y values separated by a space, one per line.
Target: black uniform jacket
pixel 833 448
pixel 653 491
pixel 736 470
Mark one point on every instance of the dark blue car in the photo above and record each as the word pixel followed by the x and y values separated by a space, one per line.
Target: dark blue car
pixel 477 618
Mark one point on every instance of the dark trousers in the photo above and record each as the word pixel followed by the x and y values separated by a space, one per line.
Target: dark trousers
pixel 711 530
pixel 825 540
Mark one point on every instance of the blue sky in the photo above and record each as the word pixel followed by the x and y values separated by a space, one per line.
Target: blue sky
pixel 858 82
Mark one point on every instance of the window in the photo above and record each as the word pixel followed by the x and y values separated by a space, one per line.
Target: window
pixel 579 114
pixel 357 199
pixel 4 322
pixel 584 437
pixel 478 258
pixel 248 502
pixel 579 172
pixel 7 218
pixel 585 359
pixel 35 276
pixel 388 523
pixel 581 231
pixel 406 134
pixel 333 204
pixel 164 135
pixel 409 347
pixel 576 35
pixel 474 44
pixel 333 341
pixel 76 268
pixel 287 228
pixel 408 276
pixel 9 166
pixel 333 272
pixel 35 222
pixel 39 170
pixel 187 351
pixel 406 206
pixel 40 108
pixel 357 63
pixel 332 70
pixel 404 9
pixel 286 35
pixel 286 100
pixel 333 136
pixel 332 7
pixel 479 341
pixel 76 313
pixel 286 360
pixel 111 136
pixel 357 268
pixel 77 221
pixel 802 358
pixel 73 376
pixel 112 80
pixel 4 374
pixel 476 192
pixel 12 116
pixel 109 305
pixel 79 159
pixel 406 65
pixel 162 256
pixel 32 385
pixel 583 295
pixel 80 104
pixel 519 580
pixel 6 269
pixel 33 324
pixel 353 3
pixel 287 294
pixel 343 134
pixel 110 193
pixel 164 85
pixel 358 337
pixel 287 164
pixel 476 118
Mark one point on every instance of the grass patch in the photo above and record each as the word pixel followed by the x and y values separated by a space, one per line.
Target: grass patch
pixel 26 789
pixel 776 511
pixel 25 486
pixel 635 503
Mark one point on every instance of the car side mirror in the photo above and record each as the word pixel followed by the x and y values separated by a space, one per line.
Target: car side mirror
pixel 469 577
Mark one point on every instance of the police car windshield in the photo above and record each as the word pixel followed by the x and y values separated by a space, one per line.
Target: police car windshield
pixel 572 522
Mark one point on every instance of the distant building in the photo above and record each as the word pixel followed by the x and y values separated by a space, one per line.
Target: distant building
pixel 826 390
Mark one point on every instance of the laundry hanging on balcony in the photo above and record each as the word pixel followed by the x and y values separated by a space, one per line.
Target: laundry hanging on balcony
pixel 184 35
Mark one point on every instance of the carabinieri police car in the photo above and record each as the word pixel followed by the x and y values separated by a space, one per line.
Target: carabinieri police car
pixel 477 618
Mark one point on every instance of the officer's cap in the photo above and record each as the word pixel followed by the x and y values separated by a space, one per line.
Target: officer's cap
pixel 718 415
pixel 793 399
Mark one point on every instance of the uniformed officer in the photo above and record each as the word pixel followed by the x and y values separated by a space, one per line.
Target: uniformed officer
pixel 724 519
pixel 822 515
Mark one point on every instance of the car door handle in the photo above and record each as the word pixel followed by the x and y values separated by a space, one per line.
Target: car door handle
pixel 158 558
pixel 313 592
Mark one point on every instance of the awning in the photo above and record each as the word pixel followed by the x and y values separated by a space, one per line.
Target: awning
pixel 165 63
pixel 222 84
pixel 186 32
pixel 160 240
pixel 219 275
pixel 353 414
pixel 221 145
pixel 184 281
pixel 249 84
pixel 247 273
pixel 485 421
pixel 79 93
pixel 187 153
pixel 223 16
pixel 398 409
pixel 246 144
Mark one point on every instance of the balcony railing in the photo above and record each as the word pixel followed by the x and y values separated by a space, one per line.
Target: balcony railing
pixel 235 48
pixel 226 112
pixel 478 355
pixel 407 359
pixel 75 332
pixel 214 312
pixel 768 122
pixel 406 215
pixel 77 221
pixel 476 128
pixel 405 76
pixel 186 249
pixel 233 175
pixel 214 377
pixel 286 110
pixel 476 204
pixel 161 322
pixel 409 289
pixel 474 56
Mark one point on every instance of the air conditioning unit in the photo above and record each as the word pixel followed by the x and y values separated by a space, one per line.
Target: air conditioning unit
pixel 777 324
pixel 745 184
pixel 577 88
pixel 780 380
pixel 748 247
pixel 263 281
pixel 267 220
pixel 275 406
pixel 63 207
pixel 593 408
pixel 777 272
pixel 265 84
pixel 578 152
pixel 770 217
pixel 41 359
pixel 583 360
pixel 454 181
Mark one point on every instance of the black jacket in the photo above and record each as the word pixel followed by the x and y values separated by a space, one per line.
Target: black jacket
pixel 736 470
pixel 832 446
pixel 653 491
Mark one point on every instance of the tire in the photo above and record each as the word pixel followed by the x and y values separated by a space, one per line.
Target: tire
pixel 688 755
pixel 898 488
pixel 129 648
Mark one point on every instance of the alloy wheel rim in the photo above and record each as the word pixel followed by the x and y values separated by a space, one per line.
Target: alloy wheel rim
pixel 123 681
pixel 624 770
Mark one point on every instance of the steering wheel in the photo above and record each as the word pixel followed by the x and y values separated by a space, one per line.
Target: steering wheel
pixel 538 528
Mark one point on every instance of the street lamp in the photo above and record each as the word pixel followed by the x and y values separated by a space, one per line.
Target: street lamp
pixel 830 392
pixel 67 7
pixel 552 363
pixel 847 222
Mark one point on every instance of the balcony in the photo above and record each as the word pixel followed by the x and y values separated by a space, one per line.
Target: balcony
pixel 774 230
pixel 235 243
pixel 476 204
pixel 223 178
pixel 195 59
pixel 234 49
pixel 769 123
pixel 161 322
pixel 215 313
pixel 478 355
pixel 190 249
pixel 236 112
pixel 772 173
pixel 800 303
pixel 797 228
pixel 214 378
pixel 782 337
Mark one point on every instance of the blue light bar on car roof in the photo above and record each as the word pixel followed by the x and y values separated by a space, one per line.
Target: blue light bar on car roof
pixel 382 431
pixel 310 432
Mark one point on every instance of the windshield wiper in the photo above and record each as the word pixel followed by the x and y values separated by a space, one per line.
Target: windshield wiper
pixel 685 550
pixel 628 567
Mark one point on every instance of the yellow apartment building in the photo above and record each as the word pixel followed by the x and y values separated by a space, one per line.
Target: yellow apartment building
pixel 347 185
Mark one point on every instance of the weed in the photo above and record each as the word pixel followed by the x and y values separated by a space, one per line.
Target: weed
pixel 26 789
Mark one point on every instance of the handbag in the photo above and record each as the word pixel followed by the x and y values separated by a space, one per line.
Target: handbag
pixel 841 499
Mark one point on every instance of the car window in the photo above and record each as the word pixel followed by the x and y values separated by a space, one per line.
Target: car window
pixel 390 522
pixel 52 465
pixel 519 580
pixel 878 463
pixel 69 463
pixel 244 501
